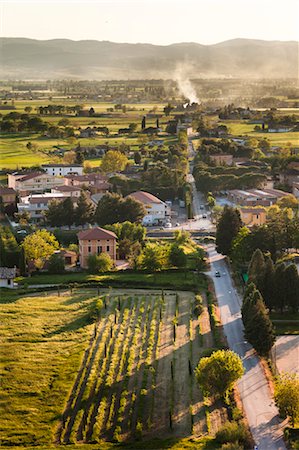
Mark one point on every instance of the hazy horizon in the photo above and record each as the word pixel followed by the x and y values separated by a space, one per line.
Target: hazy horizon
pixel 157 22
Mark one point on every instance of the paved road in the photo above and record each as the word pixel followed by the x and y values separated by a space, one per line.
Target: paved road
pixel 258 404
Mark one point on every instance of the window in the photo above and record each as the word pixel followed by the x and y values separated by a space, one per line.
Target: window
pixel 108 248
pixel 9 282
pixel 99 249
pixel 89 249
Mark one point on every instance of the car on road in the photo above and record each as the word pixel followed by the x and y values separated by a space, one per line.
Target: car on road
pixel 201 206
pixel 204 216
pixel 217 274
pixel 168 225
pixel 177 224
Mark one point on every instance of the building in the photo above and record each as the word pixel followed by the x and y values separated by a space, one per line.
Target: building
pixel 69 191
pixel 61 170
pixel 33 182
pixel 95 182
pixel 253 216
pixel 94 242
pixel 255 197
pixel 7 276
pixel 8 195
pixel 37 204
pixel 157 210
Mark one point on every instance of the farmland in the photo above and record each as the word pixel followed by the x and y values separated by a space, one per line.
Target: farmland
pixel 125 374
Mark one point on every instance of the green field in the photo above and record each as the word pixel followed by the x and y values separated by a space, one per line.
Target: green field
pixel 173 279
pixel 13 151
pixel 239 128
pixel 71 374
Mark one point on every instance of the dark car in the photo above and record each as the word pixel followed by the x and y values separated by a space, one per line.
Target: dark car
pixel 217 274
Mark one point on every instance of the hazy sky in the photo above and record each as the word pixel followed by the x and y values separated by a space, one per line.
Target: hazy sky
pixel 153 21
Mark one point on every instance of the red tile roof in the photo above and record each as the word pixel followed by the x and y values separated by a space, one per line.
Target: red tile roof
pixel 6 190
pixel 145 197
pixel 96 233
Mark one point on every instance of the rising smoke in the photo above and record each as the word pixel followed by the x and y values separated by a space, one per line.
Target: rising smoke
pixel 185 85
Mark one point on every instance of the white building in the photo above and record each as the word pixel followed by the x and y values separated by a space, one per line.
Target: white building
pixel 61 170
pixel 157 210
pixel 37 204
pixel 7 276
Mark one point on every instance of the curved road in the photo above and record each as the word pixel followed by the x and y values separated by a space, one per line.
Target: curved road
pixel 259 407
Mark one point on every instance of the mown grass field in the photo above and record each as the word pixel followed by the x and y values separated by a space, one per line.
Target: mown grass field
pixel 69 378
pixel 239 128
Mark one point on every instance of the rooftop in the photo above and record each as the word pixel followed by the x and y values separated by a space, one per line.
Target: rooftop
pixel 7 273
pixel 96 233
pixel 145 197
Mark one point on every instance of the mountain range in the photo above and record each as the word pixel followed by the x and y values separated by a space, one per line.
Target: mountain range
pixel 23 58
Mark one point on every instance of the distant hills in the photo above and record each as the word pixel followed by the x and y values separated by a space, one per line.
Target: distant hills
pixel 22 58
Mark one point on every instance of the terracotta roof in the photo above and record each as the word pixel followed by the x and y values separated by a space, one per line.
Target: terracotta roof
pixel 96 233
pixel 6 190
pixel 65 188
pixel 253 210
pixel 7 273
pixel 31 175
pixel 145 197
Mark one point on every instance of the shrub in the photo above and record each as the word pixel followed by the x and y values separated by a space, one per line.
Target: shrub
pixel 56 264
pixel 232 432
pixel 99 263
pixel 198 305
pixel 232 446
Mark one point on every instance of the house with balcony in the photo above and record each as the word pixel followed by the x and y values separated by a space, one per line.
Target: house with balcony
pixel 26 183
pixel 37 204
pixel 94 242
pixel 157 211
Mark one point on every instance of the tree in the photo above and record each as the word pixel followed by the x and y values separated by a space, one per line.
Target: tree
pixel 292 287
pixel 167 109
pixel 268 291
pixel 259 330
pixel 137 158
pixel 227 229
pixel 99 263
pixel 217 374
pixel 287 397
pixel 28 109
pixel 280 291
pixel 22 262
pixel 39 246
pixel 85 211
pixel 113 208
pixel 56 264
pixel 153 257
pixel 177 256
pixel 133 127
pixel 256 270
pixel 114 161
pixel 289 201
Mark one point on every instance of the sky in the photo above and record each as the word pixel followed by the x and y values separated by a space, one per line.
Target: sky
pixel 153 21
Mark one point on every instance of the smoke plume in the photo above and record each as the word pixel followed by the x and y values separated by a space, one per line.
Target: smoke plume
pixel 185 85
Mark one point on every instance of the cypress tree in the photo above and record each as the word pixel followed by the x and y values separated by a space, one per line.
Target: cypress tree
pixel 256 269
pixel 268 291
pixel 292 287
pixel 227 229
pixel 280 288
pixel 22 262
pixel 259 330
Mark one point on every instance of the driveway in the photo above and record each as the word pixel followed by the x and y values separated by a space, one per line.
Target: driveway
pixel 259 407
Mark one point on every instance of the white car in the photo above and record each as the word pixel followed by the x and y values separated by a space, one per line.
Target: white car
pixel 168 225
